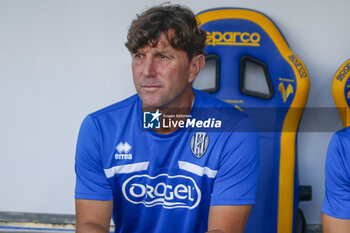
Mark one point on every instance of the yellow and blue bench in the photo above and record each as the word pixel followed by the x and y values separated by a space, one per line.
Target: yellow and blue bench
pixel 241 41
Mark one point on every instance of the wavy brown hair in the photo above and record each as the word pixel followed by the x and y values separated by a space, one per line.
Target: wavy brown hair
pixel 186 35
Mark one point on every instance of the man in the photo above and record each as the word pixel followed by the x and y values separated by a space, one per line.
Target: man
pixel 165 179
pixel 336 205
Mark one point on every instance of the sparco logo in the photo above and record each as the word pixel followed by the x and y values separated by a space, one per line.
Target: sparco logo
pixel 168 191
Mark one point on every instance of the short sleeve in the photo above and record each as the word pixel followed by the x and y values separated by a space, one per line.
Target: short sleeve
pixel 91 181
pixel 337 184
pixel 237 178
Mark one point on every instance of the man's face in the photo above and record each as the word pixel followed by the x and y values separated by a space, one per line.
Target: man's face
pixel 162 75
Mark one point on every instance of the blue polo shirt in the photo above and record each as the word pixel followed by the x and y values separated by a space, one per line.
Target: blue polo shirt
pixel 166 182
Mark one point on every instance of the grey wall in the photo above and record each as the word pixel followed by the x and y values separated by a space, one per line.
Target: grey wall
pixel 62 59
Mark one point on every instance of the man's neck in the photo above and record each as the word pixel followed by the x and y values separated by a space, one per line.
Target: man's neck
pixel 171 116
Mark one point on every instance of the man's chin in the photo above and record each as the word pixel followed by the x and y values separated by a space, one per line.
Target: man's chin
pixel 151 104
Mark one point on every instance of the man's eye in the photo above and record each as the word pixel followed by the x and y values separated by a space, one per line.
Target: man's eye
pixel 160 56
pixel 137 55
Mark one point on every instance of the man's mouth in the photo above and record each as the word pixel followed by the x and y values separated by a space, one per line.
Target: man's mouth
pixel 150 87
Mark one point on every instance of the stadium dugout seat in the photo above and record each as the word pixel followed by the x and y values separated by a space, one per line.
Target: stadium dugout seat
pixel 341 92
pixel 249 64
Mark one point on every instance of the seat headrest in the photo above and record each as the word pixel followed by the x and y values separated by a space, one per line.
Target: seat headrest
pixel 239 39
pixel 341 92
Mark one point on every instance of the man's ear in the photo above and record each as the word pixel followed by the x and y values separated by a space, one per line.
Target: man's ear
pixel 197 63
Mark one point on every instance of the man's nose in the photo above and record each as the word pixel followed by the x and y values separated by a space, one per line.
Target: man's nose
pixel 149 69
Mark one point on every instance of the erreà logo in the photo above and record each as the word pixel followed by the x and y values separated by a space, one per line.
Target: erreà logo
pixel 123 149
pixel 233 38
pixel 168 191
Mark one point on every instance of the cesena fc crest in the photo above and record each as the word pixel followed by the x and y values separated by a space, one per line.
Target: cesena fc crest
pixel 199 144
